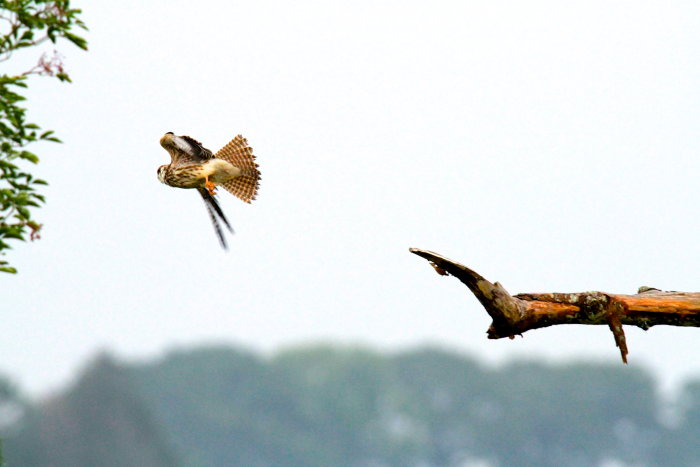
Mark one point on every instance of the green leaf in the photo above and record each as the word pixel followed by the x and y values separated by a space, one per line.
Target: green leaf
pixel 28 156
pixel 11 270
pixel 15 235
pixel 23 212
pixel 77 40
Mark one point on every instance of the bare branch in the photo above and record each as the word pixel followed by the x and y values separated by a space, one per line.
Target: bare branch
pixel 513 315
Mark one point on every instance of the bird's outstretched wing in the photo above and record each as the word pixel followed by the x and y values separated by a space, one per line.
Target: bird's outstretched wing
pixel 186 150
pixel 214 210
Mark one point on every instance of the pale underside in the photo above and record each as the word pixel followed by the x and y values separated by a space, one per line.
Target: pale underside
pixel 217 171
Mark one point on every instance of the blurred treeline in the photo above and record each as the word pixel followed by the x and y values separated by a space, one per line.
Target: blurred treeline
pixel 327 406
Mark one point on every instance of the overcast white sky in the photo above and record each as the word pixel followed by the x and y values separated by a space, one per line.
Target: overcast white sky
pixel 552 146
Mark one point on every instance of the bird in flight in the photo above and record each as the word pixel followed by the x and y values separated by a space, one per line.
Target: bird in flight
pixel 194 166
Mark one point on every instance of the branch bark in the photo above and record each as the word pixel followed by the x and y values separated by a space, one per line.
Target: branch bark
pixel 515 314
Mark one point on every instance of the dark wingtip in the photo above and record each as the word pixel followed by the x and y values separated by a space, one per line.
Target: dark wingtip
pixel 214 209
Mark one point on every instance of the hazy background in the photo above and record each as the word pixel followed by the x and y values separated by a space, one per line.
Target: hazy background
pixel 548 145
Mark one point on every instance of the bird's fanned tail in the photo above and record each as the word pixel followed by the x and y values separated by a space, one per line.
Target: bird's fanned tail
pixel 238 153
pixel 214 210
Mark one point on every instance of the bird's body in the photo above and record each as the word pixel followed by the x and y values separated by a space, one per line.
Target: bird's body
pixel 194 166
pixel 217 171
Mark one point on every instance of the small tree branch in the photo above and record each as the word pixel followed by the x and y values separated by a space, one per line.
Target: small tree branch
pixel 513 315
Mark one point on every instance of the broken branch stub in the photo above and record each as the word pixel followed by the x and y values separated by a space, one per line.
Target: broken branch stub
pixel 517 314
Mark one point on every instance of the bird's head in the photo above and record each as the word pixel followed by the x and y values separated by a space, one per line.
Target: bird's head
pixel 161 173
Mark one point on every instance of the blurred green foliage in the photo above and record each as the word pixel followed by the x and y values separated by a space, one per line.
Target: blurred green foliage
pixel 25 24
pixel 328 406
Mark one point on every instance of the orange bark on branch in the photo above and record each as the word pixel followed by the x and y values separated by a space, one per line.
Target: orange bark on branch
pixel 515 314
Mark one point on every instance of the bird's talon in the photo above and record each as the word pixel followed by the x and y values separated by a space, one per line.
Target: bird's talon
pixel 210 187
